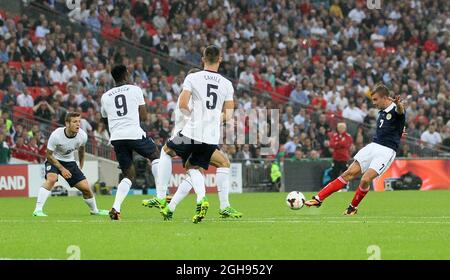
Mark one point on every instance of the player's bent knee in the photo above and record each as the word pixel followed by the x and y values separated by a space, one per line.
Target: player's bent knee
pixel 50 181
pixel 83 186
pixel 365 182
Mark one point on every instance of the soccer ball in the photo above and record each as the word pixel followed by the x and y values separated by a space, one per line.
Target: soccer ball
pixel 295 200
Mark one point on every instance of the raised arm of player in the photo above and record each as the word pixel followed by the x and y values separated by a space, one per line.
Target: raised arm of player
pixel 64 172
pixel 184 102
pixel 399 103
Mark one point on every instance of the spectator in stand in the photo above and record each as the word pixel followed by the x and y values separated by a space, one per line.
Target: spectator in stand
pixel 34 151
pixel 101 134
pixel 292 145
pixel 42 30
pixel 5 152
pixel 20 150
pixel 353 113
pixel 25 99
pixel 44 112
pixel 244 155
pixel 431 137
pixel 298 155
pixel 298 96
pixel 10 99
pixel 246 79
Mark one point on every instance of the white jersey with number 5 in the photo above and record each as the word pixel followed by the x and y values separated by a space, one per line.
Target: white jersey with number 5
pixel 209 90
pixel 121 106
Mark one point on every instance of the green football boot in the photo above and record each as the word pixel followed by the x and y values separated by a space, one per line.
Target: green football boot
pixel 155 202
pixel 166 213
pixel 230 212
pixel 200 211
pixel 101 212
pixel 39 213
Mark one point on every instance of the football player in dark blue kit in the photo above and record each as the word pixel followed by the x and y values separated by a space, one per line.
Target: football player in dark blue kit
pixel 375 158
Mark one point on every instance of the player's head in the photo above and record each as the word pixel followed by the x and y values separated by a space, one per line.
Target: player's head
pixel 120 74
pixel 73 121
pixel 380 96
pixel 341 127
pixel 211 56
pixel 193 70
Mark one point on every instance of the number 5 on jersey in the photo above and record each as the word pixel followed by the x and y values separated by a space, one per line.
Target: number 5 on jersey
pixel 209 93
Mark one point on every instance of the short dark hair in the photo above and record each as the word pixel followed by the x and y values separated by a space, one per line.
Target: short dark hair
pixel 193 70
pixel 381 89
pixel 71 115
pixel 211 54
pixel 119 73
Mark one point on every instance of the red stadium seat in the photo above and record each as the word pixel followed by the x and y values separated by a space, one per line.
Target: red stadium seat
pixel 15 64
pixel 28 64
pixel 23 113
pixel 62 87
pixel 36 91
pixel 111 33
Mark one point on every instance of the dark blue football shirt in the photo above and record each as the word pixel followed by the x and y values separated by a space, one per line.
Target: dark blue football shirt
pixel 390 126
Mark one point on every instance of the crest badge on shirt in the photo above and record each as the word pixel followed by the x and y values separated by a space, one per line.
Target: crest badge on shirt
pixel 388 116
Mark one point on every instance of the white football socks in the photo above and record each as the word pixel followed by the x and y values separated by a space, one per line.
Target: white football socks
pixel 92 204
pixel 42 198
pixel 164 173
pixel 122 191
pixel 182 191
pixel 223 186
pixel 198 183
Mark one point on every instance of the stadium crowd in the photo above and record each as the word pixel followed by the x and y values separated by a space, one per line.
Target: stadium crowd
pixel 315 61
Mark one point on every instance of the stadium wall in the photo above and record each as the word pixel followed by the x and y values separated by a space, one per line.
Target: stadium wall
pixel 26 179
pixel 109 171
pixel 435 173
pixel 178 174
pixel 308 176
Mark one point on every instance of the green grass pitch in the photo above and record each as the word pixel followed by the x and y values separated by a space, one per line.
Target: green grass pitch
pixel 403 225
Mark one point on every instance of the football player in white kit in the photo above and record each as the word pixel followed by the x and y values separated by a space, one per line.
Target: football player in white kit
pixel 218 160
pixel 195 144
pixel 375 158
pixel 62 144
pixel 124 108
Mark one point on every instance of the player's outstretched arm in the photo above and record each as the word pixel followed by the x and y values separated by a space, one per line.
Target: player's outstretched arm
pixel 399 103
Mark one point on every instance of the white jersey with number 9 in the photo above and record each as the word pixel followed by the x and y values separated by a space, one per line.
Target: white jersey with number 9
pixel 121 106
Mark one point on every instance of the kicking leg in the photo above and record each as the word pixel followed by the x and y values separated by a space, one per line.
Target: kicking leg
pixel 337 184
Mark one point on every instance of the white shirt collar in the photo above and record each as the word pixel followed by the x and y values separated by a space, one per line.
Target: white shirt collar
pixel 390 107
